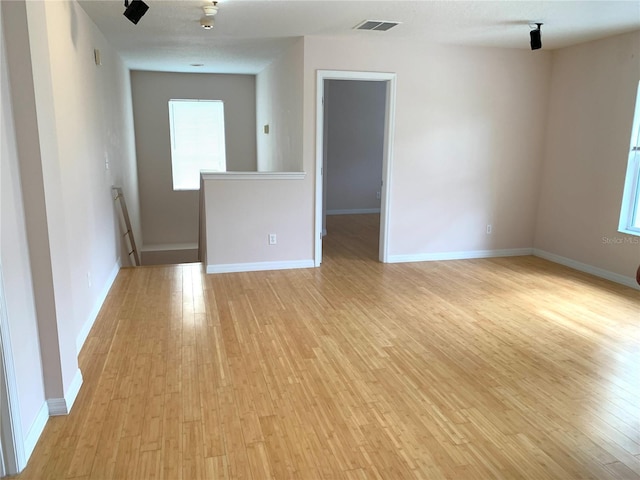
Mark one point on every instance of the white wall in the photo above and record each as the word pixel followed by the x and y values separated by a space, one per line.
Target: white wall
pixel 238 222
pixel 468 141
pixel 355 142
pixel 72 118
pixel 16 269
pixel 127 177
pixel 30 78
pixel 591 103
pixel 242 211
pixel 279 105
pixel 90 123
pixel 468 145
pixel 168 216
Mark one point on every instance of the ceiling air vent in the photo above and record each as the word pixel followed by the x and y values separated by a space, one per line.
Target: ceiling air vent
pixel 379 25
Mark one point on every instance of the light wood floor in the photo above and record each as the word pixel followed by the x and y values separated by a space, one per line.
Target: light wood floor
pixel 501 368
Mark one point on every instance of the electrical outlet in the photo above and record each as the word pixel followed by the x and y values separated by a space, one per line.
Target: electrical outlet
pixel 378 195
pixel 89 279
pixel 272 239
pixel 489 229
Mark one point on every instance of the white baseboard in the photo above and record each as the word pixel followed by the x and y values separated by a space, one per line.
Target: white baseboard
pixel 86 328
pixel 62 406
pixel 259 266
pixel 160 247
pixel 583 267
pixel 37 427
pixel 353 211
pixel 435 257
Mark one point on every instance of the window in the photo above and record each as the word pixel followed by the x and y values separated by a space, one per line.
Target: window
pixel 197 140
pixel 630 213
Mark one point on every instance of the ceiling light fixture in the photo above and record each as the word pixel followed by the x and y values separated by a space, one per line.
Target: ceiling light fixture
pixel 536 36
pixel 206 23
pixel 135 10
pixel 210 11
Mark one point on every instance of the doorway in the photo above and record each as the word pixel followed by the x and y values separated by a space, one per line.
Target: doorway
pixel 389 79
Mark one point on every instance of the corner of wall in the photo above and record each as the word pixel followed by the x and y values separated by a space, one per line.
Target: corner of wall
pixel 62 406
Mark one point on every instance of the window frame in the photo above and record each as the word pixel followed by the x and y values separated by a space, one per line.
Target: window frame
pixel 631 195
pixel 176 160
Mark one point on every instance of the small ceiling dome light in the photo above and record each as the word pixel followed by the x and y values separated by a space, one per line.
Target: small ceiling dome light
pixel 210 11
pixel 206 23
pixel 536 37
pixel 135 10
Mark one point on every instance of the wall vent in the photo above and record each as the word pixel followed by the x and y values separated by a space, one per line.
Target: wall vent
pixel 379 25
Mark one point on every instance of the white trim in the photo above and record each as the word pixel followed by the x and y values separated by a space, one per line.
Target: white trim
pixel 629 231
pixel 163 247
pixel 387 169
pixel 630 193
pixel 385 191
pixel 74 389
pixel 259 266
pixel 590 269
pixel 317 241
pixel 37 427
pixel 57 407
pixel 252 175
pixel 353 211
pixel 466 255
pixel 86 328
pixel 62 406
pixel 13 443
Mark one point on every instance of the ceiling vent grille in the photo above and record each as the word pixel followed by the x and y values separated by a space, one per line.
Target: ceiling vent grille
pixel 379 25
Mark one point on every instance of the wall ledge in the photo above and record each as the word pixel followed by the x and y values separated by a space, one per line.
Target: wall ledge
pixel 252 175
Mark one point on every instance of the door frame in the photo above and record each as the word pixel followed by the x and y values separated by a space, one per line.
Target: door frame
pixel 387 159
pixel 12 453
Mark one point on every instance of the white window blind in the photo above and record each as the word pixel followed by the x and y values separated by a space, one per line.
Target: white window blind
pixel 197 140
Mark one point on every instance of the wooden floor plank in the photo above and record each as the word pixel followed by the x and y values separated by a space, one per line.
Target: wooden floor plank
pixel 511 368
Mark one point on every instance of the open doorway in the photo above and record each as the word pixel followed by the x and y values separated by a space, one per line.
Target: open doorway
pixel 362 195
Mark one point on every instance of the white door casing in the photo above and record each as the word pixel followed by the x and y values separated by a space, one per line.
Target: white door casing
pixel 12 452
pixel 385 195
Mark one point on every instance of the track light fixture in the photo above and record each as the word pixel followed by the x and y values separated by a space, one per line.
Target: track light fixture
pixel 536 37
pixel 135 10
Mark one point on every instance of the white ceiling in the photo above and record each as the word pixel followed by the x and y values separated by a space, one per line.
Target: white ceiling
pixel 249 34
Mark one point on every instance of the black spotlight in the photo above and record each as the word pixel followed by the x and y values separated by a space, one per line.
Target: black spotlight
pixel 536 38
pixel 135 10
